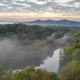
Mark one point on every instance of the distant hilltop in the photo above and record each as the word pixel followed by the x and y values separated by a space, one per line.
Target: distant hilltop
pixel 63 22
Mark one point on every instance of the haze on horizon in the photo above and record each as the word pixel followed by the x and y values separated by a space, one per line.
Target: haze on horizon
pixel 40 9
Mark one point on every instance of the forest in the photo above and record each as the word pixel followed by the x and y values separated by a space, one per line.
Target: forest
pixel 69 68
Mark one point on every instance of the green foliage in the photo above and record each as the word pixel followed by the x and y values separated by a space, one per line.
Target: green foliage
pixel 32 74
pixel 28 34
pixel 24 31
pixel 29 73
pixel 2 72
pixel 76 54
pixel 71 71
pixel 72 50
pixel 71 68
pixel 53 76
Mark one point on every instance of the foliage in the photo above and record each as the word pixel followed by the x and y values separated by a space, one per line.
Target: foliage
pixel 71 71
pixel 30 33
pixel 29 73
pixel 71 61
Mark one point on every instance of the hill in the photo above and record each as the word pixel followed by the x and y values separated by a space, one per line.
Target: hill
pixel 63 22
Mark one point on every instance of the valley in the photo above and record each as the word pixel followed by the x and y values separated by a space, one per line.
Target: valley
pixel 49 49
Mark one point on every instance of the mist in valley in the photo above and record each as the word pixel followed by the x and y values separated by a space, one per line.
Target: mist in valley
pixel 12 53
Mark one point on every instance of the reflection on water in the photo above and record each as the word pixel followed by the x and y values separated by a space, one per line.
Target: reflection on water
pixel 51 63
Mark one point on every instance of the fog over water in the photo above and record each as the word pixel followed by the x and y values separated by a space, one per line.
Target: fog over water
pixel 20 56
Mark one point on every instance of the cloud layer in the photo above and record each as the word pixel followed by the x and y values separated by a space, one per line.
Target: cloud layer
pixel 41 6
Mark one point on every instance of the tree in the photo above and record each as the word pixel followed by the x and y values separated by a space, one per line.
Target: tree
pixel 71 71
pixel 53 76
pixel 2 73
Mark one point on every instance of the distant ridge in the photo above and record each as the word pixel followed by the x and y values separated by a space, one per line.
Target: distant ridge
pixel 62 22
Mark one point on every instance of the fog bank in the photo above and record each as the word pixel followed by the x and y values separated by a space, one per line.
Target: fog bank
pixel 20 56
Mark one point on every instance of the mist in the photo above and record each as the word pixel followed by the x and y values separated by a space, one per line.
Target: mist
pixel 20 56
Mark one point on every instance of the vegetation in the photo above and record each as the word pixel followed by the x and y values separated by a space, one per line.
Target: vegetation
pixel 24 31
pixel 71 71
pixel 28 34
pixel 29 73
pixel 71 61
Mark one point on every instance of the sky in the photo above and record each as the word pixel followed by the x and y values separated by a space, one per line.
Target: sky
pixel 40 9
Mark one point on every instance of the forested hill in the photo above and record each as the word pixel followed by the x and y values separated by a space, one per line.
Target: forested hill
pixel 26 34
pixel 31 33
pixel 70 62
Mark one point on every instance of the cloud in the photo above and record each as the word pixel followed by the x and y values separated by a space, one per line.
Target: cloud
pixel 62 1
pixel 41 6
pixel 40 2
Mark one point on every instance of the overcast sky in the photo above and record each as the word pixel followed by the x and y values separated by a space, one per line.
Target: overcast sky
pixel 40 9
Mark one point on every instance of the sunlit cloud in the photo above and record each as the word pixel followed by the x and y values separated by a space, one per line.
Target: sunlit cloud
pixel 39 8
pixel 40 2
pixel 31 16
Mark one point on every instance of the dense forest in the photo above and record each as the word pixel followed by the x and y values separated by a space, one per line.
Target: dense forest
pixel 29 73
pixel 33 32
pixel 69 63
